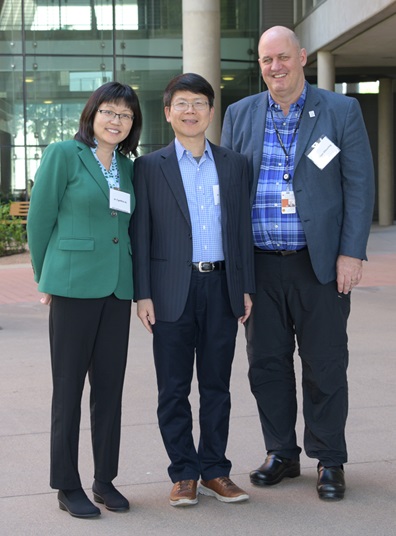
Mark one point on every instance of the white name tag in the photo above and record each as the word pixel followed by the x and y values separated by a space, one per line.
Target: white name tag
pixel 120 200
pixel 322 152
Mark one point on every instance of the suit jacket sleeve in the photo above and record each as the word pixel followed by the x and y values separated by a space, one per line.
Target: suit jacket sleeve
pixel 226 132
pixel 140 231
pixel 49 186
pixel 246 235
pixel 358 184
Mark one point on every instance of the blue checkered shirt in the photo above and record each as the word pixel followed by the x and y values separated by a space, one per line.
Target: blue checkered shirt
pixel 199 180
pixel 271 228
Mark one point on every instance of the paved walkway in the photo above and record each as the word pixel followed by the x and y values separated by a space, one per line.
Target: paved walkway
pixel 29 507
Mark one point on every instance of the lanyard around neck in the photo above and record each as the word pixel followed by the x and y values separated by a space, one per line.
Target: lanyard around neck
pixel 286 175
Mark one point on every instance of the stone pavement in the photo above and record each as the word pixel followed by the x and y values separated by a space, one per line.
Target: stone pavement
pixel 28 506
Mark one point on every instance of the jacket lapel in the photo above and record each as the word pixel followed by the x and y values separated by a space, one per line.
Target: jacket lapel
pixel 258 118
pixel 171 171
pixel 89 162
pixel 309 118
pixel 126 175
pixel 258 113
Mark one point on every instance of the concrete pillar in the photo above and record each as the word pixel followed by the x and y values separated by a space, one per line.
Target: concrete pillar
pixel 386 208
pixel 201 50
pixel 326 70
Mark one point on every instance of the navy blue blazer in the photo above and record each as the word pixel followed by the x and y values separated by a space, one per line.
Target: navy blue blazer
pixel 335 204
pixel 162 235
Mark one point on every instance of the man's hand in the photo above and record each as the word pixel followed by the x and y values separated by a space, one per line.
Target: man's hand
pixel 145 311
pixel 349 273
pixel 248 308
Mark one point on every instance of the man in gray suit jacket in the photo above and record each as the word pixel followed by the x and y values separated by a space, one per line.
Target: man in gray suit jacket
pixel 193 272
pixel 312 192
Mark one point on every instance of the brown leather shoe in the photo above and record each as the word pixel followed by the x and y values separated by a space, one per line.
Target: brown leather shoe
pixel 184 493
pixel 223 489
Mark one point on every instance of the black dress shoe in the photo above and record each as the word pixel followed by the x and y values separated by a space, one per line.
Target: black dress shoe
pixel 273 470
pixel 77 503
pixel 331 483
pixel 105 493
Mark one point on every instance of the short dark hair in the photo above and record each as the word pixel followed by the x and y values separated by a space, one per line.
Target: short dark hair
pixel 188 82
pixel 111 92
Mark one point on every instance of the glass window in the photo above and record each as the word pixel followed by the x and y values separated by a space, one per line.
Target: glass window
pixel 73 46
pixel 240 74
pixel 11 124
pixel 10 27
pixel 149 77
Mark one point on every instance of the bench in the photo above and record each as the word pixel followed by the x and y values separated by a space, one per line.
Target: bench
pixel 19 209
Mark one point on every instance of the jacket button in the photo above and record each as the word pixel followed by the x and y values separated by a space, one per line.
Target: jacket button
pixel 113 213
pixel 115 240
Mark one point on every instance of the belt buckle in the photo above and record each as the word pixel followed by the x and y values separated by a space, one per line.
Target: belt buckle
pixel 202 269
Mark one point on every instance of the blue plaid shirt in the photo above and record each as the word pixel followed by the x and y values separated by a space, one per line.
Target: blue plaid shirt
pixel 200 180
pixel 271 228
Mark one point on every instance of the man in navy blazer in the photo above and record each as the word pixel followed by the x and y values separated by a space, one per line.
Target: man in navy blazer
pixel 312 194
pixel 193 272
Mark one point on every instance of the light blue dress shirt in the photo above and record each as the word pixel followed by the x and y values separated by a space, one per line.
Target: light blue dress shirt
pixel 201 184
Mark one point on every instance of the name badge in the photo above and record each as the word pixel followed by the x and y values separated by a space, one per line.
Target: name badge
pixel 322 152
pixel 288 202
pixel 120 200
pixel 216 194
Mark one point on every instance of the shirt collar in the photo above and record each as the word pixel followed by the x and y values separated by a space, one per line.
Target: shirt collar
pixel 298 104
pixel 181 150
pixel 94 149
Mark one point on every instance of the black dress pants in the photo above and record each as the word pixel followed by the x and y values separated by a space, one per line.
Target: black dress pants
pixel 208 329
pixel 87 336
pixel 290 304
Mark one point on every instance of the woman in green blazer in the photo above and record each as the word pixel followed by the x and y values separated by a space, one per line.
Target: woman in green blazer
pixel 80 208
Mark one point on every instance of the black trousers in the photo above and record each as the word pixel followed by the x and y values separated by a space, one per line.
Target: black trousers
pixel 290 304
pixel 87 336
pixel 208 329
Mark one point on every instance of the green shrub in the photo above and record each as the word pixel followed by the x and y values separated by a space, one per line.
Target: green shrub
pixel 12 235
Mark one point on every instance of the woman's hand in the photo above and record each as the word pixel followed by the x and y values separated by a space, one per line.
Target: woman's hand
pixel 46 299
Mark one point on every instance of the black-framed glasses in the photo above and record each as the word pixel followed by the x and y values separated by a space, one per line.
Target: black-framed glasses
pixel 183 106
pixel 112 115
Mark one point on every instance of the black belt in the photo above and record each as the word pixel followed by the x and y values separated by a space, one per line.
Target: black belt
pixel 282 252
pixel 204 266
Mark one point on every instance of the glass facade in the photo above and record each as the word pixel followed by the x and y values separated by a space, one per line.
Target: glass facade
pixel 54 53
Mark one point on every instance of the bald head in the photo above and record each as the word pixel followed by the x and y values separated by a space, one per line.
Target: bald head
pixel 282 61
pixel 281 32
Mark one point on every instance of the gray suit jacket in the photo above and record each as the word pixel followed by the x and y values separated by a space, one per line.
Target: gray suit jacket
pixel 335 204
pixel 162 235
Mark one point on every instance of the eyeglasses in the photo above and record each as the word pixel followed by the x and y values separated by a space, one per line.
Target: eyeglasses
pixel 183 106
pixel 112 115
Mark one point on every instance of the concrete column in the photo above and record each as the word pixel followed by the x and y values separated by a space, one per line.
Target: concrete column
pixel 386 179
pixel 201 50
pixel 326 70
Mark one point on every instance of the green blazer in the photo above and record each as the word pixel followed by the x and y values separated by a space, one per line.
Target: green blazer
pixel 80 248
